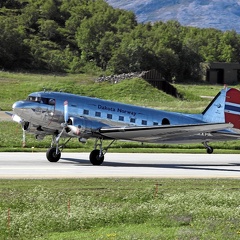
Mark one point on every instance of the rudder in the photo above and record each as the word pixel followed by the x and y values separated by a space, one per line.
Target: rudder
pixel 225 107
pixel 232 107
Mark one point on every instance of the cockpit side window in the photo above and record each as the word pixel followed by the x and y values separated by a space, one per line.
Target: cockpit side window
pixel 48 101
pixel 51 101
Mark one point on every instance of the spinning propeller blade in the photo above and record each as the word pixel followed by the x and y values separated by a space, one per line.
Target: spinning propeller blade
pixel 65 112
pixel 16 118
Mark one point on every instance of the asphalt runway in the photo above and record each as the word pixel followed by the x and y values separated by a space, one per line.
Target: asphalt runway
pixel 144 165
pixel 4 116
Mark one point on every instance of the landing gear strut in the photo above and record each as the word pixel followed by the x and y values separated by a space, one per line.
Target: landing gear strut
pixel 54 152
pixel 209 149
pixel 96 157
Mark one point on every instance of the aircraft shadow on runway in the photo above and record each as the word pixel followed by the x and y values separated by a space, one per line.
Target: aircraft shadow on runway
pixel 205 167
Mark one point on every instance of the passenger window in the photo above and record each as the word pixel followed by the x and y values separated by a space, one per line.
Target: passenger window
pixel 109 116
pixel 86 112
pixel 144 122
pixel 121 118
pixel 155 123
pixel 97 114
pixel 132 120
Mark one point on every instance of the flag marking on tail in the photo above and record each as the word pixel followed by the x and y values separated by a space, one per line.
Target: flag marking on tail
pixel 232 108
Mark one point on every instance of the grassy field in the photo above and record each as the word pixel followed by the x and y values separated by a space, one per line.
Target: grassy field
pixel 119 209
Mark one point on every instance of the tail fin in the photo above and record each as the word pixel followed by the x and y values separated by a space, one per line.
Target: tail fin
pixel 225 107
pixel 232 107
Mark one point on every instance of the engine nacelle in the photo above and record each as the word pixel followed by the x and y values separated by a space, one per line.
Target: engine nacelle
pixel 31 128
pixel 82 127
pixel 73 130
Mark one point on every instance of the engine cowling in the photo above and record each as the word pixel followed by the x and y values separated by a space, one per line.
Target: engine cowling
pixel 31 128
pixel 82 127
pixel 73 130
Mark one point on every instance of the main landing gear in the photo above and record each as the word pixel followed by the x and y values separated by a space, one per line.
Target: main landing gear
pixel 96 157
pixel 54 152
pixel 209 149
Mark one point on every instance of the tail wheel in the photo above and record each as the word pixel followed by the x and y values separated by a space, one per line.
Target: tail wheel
pixel 96 158
pixel 53 155
pixel 209 150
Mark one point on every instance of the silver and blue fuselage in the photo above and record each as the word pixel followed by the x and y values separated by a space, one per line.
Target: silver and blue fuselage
pixel 47 110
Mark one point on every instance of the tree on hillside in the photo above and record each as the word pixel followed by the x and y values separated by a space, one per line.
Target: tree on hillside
pixel 12 4
pixel 229 47
pixel 82 35
pixel 13 51
pixel 133 53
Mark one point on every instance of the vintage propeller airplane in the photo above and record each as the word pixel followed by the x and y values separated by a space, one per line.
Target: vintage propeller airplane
pixel 67 115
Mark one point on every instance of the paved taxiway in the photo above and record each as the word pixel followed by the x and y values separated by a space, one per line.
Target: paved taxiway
pixel 76 165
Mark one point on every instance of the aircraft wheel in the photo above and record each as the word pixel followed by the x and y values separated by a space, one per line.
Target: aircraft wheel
pixel 209 150
pixel 94 157
pixel 52 156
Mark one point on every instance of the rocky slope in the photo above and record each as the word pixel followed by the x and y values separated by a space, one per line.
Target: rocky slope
pixel 219 14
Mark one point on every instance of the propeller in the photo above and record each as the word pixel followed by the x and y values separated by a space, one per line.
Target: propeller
pixel 70 129
pixel 19 120
pixel 16 118
pixel 65 112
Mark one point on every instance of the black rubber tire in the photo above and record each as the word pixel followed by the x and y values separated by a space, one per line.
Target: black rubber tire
pixel 94 157
pixel 209 150
pixel 52 156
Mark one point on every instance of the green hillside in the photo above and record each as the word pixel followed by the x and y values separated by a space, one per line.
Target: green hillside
pixel 79 36
pixel 17 86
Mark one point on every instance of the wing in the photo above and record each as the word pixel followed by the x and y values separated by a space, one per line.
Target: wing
pixel 169 133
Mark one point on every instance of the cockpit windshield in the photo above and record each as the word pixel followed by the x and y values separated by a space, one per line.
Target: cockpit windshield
pixel 48 101
pixel 34 99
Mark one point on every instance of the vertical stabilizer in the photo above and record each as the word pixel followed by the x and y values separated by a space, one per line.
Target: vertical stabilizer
pixel 232 107
pixel 214 113
pixel 225 107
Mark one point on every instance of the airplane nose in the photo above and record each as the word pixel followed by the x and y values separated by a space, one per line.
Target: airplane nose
pixel 17 107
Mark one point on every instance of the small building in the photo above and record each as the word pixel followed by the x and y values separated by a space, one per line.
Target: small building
pixel 156 80
pixel 223 73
